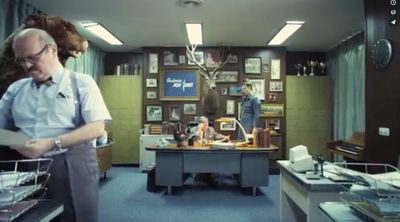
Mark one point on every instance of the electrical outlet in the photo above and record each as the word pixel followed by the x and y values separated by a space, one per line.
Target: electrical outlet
pixel 384 131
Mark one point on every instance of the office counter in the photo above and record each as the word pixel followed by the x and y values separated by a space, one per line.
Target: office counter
pixel 300 197
pixel 173 162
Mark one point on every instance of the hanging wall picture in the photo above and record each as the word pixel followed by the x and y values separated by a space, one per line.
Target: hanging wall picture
pixel 276 86
pixel 153 63
pixel 275 69
pixel 252 65
pixel 179 84
pixel 153 113
pixel 258 88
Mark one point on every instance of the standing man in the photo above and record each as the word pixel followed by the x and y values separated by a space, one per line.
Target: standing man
pixel 63 112
pixel 250 109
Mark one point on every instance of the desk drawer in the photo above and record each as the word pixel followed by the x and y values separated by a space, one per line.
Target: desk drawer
pixel 211 162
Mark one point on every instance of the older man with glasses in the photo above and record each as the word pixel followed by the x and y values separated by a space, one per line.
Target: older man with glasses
pixel 62 118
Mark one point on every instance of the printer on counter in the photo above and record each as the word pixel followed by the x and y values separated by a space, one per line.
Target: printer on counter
pixel 300 160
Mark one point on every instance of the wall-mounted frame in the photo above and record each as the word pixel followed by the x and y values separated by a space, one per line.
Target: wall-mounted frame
pixel 227 76
pixel 178 84
pixel 230 107
pixel 273 124
pixel 151 95
pixel 224 91
pixel 252 65
pixel 232 59
pixel 153 63
pixel 154 113
pixel 175 113
pixel 182 59
pixel 199 56
pixel 170 58
pixel 272 97
pixel 228 126
pixel 272 110
pixel 234 90
pixel 190 109
pixel 212 57
pixel 276 86
pixel 258 88
pixel 275 69
pixel 151 83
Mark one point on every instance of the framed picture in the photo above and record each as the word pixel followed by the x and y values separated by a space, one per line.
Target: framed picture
pixel 252 65
pixel 232 59
pixel 228 126
pixel 227 76
pixel 153 63
pixel 273 124
pixel 258 86
pixel 199 56
pixel 212 57
pixel 153 113
pixel 151 95
pixel 224 91
pixel 175 113
pixel 272 97
pixel 179 84
pixel 230 107
pixel 271 110
pixel 182 59
pixel 275 69
pixel 170 58
pixel 189 109
pixel 276 86
pixel 265 67
pixel 234 90
pixel 151 83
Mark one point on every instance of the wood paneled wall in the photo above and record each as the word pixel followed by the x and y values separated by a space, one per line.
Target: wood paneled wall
pixel 382 93
pixel 266 54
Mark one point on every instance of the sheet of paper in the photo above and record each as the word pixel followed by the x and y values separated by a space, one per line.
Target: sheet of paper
pixel 8 137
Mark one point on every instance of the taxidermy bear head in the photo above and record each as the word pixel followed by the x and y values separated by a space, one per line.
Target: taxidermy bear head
pixel 69 42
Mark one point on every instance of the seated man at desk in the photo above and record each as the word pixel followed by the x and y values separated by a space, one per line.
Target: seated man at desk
pixel 204 132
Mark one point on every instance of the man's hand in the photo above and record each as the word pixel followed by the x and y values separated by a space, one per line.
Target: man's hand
pixel 34 148
pixel 227 138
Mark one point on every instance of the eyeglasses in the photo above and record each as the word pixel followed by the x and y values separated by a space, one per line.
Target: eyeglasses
pixel 31 58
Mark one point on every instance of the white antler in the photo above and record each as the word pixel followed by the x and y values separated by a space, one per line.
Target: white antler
pixel 190 50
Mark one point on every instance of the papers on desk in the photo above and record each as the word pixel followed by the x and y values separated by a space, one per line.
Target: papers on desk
pixel 8 137
pixel 222 145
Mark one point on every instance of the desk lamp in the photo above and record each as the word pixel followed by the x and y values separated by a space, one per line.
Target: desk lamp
pixel 226 120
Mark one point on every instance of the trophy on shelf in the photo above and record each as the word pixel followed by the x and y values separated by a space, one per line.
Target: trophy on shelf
pixel 312 65
pixel 322 65
pixel 304 71
pixel 298 67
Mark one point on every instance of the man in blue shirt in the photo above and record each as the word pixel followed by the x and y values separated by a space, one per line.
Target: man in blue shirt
pixel 62 112
pixel 250 111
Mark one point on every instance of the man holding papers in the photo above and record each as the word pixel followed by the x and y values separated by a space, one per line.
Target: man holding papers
pixel 62 112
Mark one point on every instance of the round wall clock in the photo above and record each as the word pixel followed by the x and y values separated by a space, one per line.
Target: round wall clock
pixel 381 53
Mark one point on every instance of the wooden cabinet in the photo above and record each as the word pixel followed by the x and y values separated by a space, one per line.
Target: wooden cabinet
pixel 104 156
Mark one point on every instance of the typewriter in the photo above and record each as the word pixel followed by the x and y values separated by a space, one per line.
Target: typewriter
pixel 352 148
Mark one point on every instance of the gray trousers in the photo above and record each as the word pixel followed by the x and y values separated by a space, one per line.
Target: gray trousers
pixel 74 180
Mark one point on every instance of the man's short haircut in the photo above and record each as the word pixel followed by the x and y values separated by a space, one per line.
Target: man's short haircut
pixel 248 85
pixel 43 37
pixel 203 119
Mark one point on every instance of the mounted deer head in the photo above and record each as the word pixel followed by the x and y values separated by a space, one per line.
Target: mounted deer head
pixel 210 97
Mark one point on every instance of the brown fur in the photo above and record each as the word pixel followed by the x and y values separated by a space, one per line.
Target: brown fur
pixel 63 32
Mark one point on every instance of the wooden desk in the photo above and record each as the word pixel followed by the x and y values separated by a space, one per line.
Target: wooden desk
pixel 250 163
pixel 300 197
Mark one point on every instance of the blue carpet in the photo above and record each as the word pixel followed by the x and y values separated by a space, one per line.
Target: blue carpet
pixel 123 197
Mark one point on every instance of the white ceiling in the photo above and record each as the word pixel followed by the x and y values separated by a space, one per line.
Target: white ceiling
pixel 148 23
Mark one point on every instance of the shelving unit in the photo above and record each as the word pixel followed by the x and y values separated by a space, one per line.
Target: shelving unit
pixel 21 183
